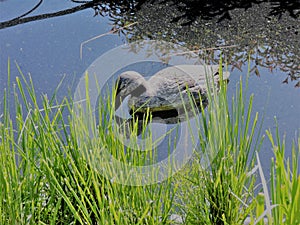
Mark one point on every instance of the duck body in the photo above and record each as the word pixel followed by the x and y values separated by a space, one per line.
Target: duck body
pixel 168 89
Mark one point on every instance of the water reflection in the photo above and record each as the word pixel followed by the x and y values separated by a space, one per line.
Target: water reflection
pixel 263 33
pixel 25 18
pixel 267 32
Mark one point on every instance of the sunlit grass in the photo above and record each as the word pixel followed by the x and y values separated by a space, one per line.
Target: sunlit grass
pixel 285 182
pixel 219 184
pixel 49 175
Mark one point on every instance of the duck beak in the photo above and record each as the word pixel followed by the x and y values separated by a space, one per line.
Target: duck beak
pixel 118 96
pixel 118 86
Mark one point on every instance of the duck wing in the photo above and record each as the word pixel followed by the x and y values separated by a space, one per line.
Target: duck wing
pixel 175 79
pixel 168 87
pixel 170 81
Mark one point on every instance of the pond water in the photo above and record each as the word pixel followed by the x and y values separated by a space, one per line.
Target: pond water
pixel 49 49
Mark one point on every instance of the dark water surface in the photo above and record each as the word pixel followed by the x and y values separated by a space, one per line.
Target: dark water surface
pixel 49 50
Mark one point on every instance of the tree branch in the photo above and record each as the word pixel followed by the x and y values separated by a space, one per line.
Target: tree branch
pixel 20 20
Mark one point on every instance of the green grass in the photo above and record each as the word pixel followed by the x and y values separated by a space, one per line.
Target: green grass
pixel 221 191
pixel 285 182
pixel 47 177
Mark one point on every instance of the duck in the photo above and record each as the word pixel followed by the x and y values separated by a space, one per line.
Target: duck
pixel 168 89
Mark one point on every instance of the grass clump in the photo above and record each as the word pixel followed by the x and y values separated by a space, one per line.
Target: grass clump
pixel 285 180
pixel 44 178
pixel 219 187
pixel 48 174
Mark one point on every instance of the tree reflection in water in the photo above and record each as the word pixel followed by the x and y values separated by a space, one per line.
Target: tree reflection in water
pixel 267 32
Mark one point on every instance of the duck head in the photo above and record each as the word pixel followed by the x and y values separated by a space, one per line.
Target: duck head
pixel 129 83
